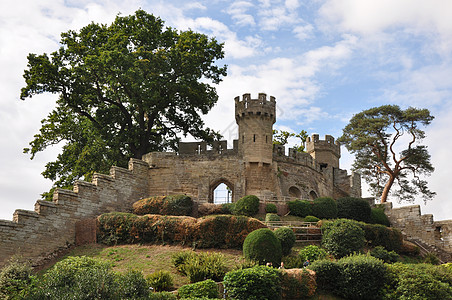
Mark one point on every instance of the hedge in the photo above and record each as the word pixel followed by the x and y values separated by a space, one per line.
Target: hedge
pixel 287 238
pixel 257 283
pixel 324 208
pixel 207 288
pixel 343 237
pixel 378 216
pixel 353 208
pixel 175 205
pixel 223 231
pixel 300 208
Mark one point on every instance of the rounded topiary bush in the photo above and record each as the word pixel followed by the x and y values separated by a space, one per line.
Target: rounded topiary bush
pixel 248 206
pixel 263 246
pixel 272 217
pixel 311 219
pixel 378 216
pixel 257 283
pixel 380 235
pixel 287 238
pixel 342 237
pixel 271 208
pixel 300 208
pixel 353 208
pixel 362 277
pixel 324 208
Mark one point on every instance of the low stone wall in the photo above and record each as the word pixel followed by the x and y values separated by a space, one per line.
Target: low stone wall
pixel 51 227
pixel 415 226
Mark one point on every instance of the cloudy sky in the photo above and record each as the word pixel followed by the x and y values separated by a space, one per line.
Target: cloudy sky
pixel 323 60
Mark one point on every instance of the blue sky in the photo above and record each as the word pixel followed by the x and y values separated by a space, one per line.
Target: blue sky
pixel 323 60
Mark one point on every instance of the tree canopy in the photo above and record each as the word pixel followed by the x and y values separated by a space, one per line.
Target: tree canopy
pixel 123 90
pixel 281 137
pixel 386 143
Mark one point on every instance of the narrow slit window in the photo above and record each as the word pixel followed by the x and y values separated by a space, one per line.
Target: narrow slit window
pixel 254 138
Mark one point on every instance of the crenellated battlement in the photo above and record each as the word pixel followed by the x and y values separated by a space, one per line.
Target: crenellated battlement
pixel 325 151
pixel 255 107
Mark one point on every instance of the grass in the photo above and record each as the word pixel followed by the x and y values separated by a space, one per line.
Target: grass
pixel 148 258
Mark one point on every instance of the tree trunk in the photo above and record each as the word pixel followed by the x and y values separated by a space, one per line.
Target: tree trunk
pixel 387 188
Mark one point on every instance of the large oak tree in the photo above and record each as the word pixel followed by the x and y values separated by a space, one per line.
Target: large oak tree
pixel 386 143
pixel 123 90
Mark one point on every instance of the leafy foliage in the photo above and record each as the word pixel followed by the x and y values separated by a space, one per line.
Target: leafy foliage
pixel 123 90
pixel 271 208
pixel 281 138
pixel 162 296
pixel 378 216
pixel 374 136
pixel 362 277
pixel 160 280
pixel 385 255
pixel 311 219
pixel 312 252
pixel 269 217
pixel 343 237
pixel 324 208
pixel 418 281
pixel 379 235
pixel 287 238
pixel 353 208
pixel 257 283
pixel 247 206
pixel 15 279
pixel 328 274
pixel 200 266
pixel 207 288
pixel 300 208
pixel 298 284
pixel 263 246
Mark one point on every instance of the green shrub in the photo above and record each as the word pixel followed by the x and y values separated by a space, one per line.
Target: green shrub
pixel 160 280
pixel 114 228
pixel 292 261
pixel 380 235
pixel 418 281
pixel 431 258
pixel 353 208
pixel 272 217
pixel 378 216
pixel 200 266
pixel 224 231
pixel 227 208
pixel 311 219
pixel 207 288
pixel 271 208
pixel 263 246
pixel 175 205
pixel 300 208
pixel 162 296
pixel 312 252
pixel 328 274
pixel 132 285
pixel 15 279
pixel 287 238
pixel 79 278
pixel 362 277
pixel 324 208
pixel 257 283
pixel 385 255
pixel 247 206
pixel 342 237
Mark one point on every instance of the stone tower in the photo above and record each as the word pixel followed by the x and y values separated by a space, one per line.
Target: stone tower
pixel 325 152
pixel 255 118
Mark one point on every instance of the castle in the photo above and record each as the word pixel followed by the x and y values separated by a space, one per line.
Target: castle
pixel 252 166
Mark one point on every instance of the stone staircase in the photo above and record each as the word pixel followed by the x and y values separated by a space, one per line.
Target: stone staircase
pixel 304 231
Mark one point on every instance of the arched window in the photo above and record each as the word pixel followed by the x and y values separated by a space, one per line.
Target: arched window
pixel 221 191
pixel 313 195
pixel 294 192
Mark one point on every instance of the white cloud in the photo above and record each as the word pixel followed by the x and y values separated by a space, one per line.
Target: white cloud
pixel 238 11
pixel 303 32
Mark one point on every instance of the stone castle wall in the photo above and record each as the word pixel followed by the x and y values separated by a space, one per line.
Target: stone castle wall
pixel 51 226
pixel 415 226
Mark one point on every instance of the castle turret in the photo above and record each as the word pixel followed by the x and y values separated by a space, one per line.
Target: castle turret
pixel 326 152
pixel 255 118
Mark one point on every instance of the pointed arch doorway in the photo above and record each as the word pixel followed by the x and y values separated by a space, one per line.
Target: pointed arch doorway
pixel 221 191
